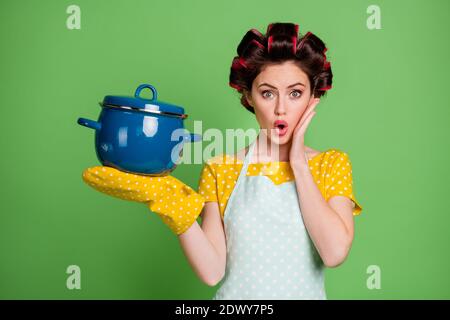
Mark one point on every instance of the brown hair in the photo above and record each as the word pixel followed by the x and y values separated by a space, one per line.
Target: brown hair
pixel 281 43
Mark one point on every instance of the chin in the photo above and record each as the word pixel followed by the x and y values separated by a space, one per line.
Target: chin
pixel 281 140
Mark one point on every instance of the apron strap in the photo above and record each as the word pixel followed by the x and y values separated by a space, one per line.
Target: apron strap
pixel 240 178
pixel 247 158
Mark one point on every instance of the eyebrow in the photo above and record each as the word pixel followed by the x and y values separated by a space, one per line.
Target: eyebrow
pixel 292 85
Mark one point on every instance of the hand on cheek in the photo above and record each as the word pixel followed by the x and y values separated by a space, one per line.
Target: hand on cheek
pixel 297 152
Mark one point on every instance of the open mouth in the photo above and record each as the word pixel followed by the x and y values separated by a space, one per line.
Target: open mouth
pixel 281 127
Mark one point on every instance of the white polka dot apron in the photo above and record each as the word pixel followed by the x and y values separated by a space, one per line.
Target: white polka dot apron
pixel 269 252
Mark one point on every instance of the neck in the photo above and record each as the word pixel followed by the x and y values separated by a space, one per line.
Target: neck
pixel 262 151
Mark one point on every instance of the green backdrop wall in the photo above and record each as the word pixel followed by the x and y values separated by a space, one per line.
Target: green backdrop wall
pixel 389 109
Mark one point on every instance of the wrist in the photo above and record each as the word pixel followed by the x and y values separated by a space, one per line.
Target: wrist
pixel 300 167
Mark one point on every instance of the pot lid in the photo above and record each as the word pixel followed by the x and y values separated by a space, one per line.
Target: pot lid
pixel 138 103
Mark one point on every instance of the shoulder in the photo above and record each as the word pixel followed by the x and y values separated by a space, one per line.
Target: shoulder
pixel 334 154
pixel 221 162
pixel 332 161
pixel 328 156
pixel 336 162
pixel 339 155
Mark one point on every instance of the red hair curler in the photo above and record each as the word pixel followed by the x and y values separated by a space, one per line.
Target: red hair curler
pixel 294 45
pixel 294 40
pixel 300 45
pixel 323 53
pixel 237 87
pixel 325 88
pixel 258 44
pixel 255 31
pixel 235 63
pixel 242 62
pixel 238 63
pixel 269 43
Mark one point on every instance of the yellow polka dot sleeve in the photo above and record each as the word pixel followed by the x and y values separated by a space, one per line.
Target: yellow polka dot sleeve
pixel 176 203
pixel 340 182
pixel 207 186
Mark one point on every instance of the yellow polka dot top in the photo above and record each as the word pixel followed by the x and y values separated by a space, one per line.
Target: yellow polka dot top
pixel 331 169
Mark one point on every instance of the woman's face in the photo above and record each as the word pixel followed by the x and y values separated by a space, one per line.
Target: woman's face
pixel 280 95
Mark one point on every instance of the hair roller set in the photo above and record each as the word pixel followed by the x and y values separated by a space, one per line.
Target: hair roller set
pixel 255 38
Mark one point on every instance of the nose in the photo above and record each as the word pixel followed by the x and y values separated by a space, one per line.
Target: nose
pixel 280 108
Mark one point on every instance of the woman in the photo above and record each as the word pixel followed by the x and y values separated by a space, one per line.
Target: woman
pixel 266 234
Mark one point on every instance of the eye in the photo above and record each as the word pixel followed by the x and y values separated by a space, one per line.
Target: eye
pixel 299 93
pixel 264 94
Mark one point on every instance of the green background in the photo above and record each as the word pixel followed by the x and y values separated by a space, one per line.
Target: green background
pixel 389 109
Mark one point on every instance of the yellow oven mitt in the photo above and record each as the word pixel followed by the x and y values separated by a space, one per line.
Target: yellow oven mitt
pixel 176 203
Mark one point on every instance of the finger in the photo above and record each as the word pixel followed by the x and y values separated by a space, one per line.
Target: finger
pixel 308 112
pixel 312 114
pixel 304 116
pixel 304 126
pixel 313 105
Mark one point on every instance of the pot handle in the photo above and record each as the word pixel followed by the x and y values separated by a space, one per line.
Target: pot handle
pixel 143 86
pixel 90 123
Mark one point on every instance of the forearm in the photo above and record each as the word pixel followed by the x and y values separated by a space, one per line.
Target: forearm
pixel 176 204
pixel 202 255
pixel 325 227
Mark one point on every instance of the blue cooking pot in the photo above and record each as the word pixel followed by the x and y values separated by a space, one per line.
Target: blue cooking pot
pixel 137 135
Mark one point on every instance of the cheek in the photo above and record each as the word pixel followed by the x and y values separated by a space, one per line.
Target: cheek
pixel 296 115
pixel 264 117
